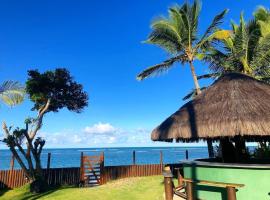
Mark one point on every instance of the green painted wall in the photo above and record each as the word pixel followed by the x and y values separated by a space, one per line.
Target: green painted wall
pixel 257 182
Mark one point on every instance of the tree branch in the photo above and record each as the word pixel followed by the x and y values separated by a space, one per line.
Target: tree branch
pixel 5 129
pixel 41 113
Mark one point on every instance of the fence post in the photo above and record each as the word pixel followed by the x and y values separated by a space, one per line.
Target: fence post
pixel 179 177
pixel 186 154
pixel 81 169
pixel 161 161
pixel 134 157
pixel 189 190
pixel 168 184
pixel 12 162
pixel 49 161
pixel 102 175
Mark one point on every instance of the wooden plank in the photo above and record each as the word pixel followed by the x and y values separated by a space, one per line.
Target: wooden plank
pixel 213 183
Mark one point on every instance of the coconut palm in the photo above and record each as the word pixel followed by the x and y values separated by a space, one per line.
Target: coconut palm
pixel 178 35
pixel 262 15
pixel 11 93
pixel 247 50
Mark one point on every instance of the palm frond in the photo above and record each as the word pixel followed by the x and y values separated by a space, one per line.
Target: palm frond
pixel 261 56
pixel 165 35
pixel 11 93
pixel 159 68
pixel 211 75
pixel 212 27
pixel 192 94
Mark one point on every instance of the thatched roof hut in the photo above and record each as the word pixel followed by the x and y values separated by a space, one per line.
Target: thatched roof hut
pixel 235 104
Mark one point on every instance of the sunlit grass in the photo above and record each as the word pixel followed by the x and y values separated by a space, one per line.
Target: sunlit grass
pixel 145 188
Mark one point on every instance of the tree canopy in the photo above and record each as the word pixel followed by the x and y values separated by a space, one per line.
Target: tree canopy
pixel 57 86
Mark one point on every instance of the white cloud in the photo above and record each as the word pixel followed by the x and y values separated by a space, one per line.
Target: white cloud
pixel 100 135
pixel 100 128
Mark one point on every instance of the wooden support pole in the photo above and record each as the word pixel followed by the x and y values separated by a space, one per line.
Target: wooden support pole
pixel 49 161
pixel 168 183
pixel 12 162
pixel 179 177
pixel 102 175
pixel 231 193
pixel 189 190
pixel 134 158
pixel 186 154
pixel 81 169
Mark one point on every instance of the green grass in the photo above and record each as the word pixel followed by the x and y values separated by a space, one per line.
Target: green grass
pixel 145 188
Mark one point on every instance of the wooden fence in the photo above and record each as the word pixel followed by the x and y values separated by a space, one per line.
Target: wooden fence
pixel 54 176
pixel 117 172
pixel 71 176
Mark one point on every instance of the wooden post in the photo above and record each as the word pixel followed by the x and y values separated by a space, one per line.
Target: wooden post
pixel 102 175
pixel 231 193
pixel 49 161
pixel 189 190
pixel 161 159
pixel 12 162
pixel 179 177
pixel 186 154
pixel 168 183
pixel 82 170
pixel 134 158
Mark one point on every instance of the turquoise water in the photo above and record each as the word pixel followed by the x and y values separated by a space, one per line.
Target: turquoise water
pixel 113 156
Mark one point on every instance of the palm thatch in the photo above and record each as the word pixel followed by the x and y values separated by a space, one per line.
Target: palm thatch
pixel 235 104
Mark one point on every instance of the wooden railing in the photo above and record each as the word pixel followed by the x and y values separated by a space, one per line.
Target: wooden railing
pixel 185 189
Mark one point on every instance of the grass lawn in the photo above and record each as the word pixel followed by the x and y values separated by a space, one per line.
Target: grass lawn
pixel 145 188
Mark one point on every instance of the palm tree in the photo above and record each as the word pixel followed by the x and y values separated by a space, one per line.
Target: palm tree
pixel 178 35
pixel 247 50
pixel 11 93
pixel 262 15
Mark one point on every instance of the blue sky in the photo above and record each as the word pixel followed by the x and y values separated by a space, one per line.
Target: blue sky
pixel 100 43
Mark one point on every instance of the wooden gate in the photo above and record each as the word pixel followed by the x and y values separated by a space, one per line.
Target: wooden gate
pixel 91 170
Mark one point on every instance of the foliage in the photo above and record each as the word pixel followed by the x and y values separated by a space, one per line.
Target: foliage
pixel 178 35
pixel 11 93
pixel 59 87
pixel 247 50
pixel 50 91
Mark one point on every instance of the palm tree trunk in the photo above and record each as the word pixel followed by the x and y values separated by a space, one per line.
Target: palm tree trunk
pixel 195 79
pixel 198 91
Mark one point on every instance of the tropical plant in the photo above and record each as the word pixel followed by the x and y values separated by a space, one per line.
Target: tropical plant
pixel 11 93
pixel 178 35
pixel 50 92
pixel 247 50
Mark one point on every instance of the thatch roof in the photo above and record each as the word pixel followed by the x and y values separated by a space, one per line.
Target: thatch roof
pixel 235 104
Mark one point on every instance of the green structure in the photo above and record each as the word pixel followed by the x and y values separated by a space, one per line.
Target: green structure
pixel 233 110
pixel 254 177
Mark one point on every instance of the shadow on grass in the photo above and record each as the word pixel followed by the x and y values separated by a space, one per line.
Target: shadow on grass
pixel 3 191
pixel 51 190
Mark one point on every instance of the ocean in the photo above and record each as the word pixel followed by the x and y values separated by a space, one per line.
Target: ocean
pixel 113 156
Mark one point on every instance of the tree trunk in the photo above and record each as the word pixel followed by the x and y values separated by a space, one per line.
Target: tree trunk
pixel 198 91
pixel 195 79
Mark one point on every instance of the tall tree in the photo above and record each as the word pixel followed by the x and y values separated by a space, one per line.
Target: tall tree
pixel 50 92
pixel 178 35
pixel 11 93
pixel 247 50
